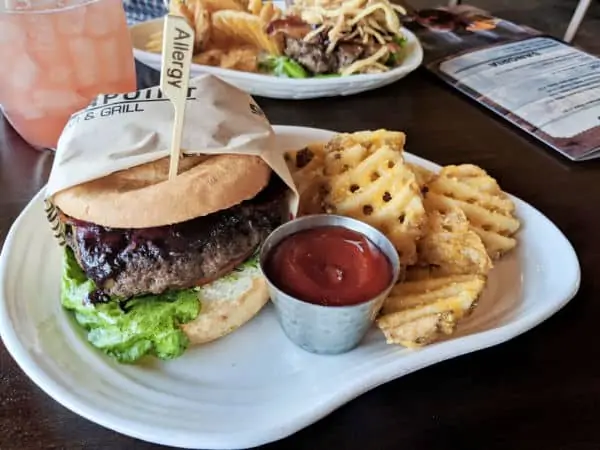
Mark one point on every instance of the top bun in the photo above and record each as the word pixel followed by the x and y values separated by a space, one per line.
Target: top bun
pixel 143 196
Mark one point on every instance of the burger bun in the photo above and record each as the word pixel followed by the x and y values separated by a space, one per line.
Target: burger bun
pixel 144 196
pixel 228 303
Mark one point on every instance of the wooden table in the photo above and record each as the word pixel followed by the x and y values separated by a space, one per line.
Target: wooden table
pixel 540 390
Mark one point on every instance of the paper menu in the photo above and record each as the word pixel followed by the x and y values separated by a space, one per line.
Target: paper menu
pixel 542 85
pixel 119 131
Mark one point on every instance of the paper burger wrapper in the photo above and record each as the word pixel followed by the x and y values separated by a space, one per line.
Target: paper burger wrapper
pixel 119 131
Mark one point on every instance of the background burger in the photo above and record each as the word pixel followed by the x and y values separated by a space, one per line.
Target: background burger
pixel 152 265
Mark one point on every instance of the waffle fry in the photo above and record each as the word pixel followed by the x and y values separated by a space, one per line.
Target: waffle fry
pixel 368 180
pixel 488 209
pixel 180 8
pixel 418 312
pixel 422 175
pixel 217 5
pixel 267 11
pixel 212 57
pixel 306 167
pixel 395 140
pixel 449 247
pixel 154 43
pixel 238 58
pixel 422 331
pixel 242 58
pixel 246 28
pixel 254 7
pixel 200 20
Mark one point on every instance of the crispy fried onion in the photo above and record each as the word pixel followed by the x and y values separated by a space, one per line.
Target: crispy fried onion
pixel 373 23
pixel 368 65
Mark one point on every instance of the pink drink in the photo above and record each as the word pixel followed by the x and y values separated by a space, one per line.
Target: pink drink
pixel 56 56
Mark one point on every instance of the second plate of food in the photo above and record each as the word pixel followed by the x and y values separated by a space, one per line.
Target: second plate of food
pixel 300 53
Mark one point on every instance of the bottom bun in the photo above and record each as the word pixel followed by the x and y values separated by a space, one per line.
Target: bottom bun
pixel 228 303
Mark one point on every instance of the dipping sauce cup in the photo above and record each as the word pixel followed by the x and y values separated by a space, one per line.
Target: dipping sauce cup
pixel 328 277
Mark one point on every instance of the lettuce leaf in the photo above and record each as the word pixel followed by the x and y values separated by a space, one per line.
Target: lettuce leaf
pixel 127 330
pixel 395 58
pixel 282 66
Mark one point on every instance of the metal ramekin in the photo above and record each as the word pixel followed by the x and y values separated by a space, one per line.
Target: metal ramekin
pixel 327 329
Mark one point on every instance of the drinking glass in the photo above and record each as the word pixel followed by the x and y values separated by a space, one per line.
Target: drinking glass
pixel 58 55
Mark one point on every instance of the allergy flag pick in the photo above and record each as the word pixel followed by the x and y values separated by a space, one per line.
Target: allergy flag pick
pixel 178 46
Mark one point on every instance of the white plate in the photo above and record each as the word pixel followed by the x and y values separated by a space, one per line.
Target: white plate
pixel 253 386
pixel 284 88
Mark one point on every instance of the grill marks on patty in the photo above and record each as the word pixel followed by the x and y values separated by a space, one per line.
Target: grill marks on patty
pixel 130 262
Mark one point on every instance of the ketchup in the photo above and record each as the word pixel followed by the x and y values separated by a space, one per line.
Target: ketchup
pixel 329 266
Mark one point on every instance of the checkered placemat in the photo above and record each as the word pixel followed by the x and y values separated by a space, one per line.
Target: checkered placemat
pixel 140 10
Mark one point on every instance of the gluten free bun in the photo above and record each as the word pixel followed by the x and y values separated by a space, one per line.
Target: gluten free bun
pixel 143 196
pixel 228 303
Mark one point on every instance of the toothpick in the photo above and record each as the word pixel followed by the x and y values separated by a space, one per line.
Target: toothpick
pixel 177 50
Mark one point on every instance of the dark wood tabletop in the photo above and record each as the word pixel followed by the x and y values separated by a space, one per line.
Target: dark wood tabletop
pixel 539 391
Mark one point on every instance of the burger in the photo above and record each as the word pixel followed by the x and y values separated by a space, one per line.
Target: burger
pixel 153 265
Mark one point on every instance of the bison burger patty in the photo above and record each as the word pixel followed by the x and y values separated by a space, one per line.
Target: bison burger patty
pixel 131 262
pixel 314 57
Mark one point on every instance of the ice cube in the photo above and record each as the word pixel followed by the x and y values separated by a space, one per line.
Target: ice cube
pixel 99 19
pixel 84 60
pixel 23 73
pixel 72 21
pixel 18 104
pixel 59 99
pixel 11 34
pixel 9 98
pixel 42 37
pixel 59 75
pixel 110 59
pixel 31 113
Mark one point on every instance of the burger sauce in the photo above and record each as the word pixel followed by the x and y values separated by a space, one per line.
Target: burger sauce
pixel 329 266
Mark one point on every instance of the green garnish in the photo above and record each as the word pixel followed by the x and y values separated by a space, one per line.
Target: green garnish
pixel 128 330
pixel 282 66
pixel 250 263
pixel 395 58
pixel 400 40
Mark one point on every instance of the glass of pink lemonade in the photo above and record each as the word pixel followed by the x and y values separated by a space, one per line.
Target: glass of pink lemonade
pixel 58 55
